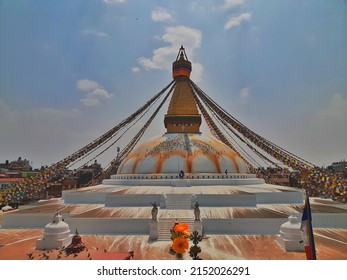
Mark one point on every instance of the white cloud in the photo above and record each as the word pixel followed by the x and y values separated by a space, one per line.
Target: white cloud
pixel 161 15
pixel 99 93
pixel 197 6
pixel 94 92
pixel 87 85
pixel 235 21
pixel 183 35
pixel 230 4
pixel 148 63
pixel 176 36
pixel 114 1
pixel 135 69
pixel 244 95
pixel 337 109
pixel 94 32
pixel 90 101
pixel 197 72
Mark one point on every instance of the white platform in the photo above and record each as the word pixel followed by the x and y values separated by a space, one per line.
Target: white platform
pixel 227 207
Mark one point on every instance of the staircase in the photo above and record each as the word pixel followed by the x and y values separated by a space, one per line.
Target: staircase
pixel 164 226
pixel 179 201
pixel 183 183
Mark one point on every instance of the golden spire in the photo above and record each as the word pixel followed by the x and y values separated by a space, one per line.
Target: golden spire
pixel 182 115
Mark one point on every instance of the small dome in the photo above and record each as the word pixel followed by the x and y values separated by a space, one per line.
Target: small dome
pixel 291 229
pixel 57 226
pixel 174 152
pixel 56 235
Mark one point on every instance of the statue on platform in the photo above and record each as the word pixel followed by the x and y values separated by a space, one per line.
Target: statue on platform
pixel 154 211
pixel 197 211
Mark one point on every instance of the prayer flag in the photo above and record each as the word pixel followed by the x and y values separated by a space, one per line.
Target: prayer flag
pixel 307 232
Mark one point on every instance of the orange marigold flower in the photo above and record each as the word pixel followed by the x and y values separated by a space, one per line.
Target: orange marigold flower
pixel 180 245
pixel 181 228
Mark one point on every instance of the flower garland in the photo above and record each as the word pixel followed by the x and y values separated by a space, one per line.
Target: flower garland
pixel 180 239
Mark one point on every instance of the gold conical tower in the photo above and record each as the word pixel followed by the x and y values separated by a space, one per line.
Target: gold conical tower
pixel 182 115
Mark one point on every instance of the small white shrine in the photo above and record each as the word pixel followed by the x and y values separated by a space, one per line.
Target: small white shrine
pixel 56 234
pixel 290 236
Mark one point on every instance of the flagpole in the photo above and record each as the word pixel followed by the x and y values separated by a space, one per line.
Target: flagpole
pixel 307 230
pixel 310 234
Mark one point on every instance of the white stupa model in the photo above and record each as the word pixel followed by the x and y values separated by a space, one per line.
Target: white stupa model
pixel 56 235
pixel 290 236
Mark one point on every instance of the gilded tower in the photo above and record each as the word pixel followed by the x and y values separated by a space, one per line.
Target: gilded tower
pixel 182 115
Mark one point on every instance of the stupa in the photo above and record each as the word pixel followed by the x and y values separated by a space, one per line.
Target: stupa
pixel 175 171
pixel 290 237
pixel 182 148
pixel 56 234
pixel 76 245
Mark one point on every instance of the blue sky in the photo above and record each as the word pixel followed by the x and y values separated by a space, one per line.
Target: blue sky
pixel 70 70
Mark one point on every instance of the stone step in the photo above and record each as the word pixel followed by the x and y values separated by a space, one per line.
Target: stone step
pixel 164 226
pixel 173 220
pixel 178 201
pixel 178 196
pixel 172 206
pixel 181 183
pixel 187 202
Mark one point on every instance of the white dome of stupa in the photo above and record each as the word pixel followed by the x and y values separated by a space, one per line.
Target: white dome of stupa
pixel 290 236
pixel 57 227
pixel 189 152
pixel 56 234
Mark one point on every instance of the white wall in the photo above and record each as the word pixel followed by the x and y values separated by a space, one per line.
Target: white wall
pixel 141 226
pixel 28 220
pixel 329 220
pixel 110 226
pixel 131 200
pixel 84 198
pixel 194 182
pixel 245 226
pixel 222 200
pixel 280 198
